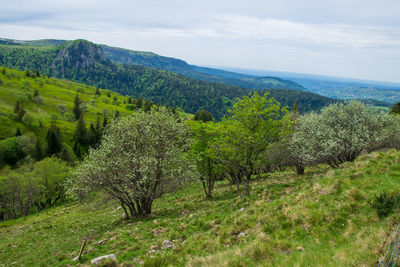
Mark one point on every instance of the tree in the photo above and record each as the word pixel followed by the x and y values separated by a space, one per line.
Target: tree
pixel 202 115
pixel 18 132
pixel 352 128
pixel 28 120
pixel 54 139
pixel 308 144
pixel 77 107
pixel 19 110
pixel 50 173
pixel 62 109
pixel 203 155
pixel 139 158
pixel 10 151
pixel 97 92
pixel 147 106
pixel 81 131
pixel 396 108
pixel 139 103
pixel 256 122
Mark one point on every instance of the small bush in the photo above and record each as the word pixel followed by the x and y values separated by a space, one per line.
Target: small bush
pixel 385 203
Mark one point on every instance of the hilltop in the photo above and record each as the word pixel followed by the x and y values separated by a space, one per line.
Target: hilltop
pixel 323 218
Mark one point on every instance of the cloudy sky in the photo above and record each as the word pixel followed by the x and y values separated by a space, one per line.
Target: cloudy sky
pixel 348 38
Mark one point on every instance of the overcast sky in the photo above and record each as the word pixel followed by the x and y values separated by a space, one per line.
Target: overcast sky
pixel 358 39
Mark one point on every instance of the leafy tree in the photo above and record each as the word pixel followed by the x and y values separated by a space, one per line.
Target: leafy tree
pixel 27 119
pixel 202 115
pixel 203 156
pixel 309 143
pixel 139 158
pixel 10 151
pixel 256 122
pixel 50 173
pixel 98 93
pixel 36 93
pixel 18 193
pixel 352 128
pixel 62 109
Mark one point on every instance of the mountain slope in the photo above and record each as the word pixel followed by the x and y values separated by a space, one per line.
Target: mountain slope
pixel 85 62
pixel 321 218
pixel 152 60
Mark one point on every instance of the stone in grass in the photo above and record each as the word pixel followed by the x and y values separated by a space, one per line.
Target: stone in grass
pixel 97 260
pixel 167 244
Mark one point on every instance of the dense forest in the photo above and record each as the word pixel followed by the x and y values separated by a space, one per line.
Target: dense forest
pixel 86 62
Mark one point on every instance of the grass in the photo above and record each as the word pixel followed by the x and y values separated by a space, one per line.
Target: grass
pixel 14 85
pixel 321 218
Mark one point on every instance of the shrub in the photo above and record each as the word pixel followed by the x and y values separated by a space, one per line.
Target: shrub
pixel 385 203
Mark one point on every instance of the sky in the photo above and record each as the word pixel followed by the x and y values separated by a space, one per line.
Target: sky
pixel 346 38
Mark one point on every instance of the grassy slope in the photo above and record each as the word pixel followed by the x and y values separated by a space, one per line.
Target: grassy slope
pixel 53 92
pixel 322 218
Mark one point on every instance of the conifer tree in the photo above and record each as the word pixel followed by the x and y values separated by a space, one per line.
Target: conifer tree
pixel 147 106
pixel 54 139
pixel 77 149
pixel 18 132
pixel 98 91
pixel 91 136
pixel 105 122
pixel 116 115
pixel 139 103
pixel 77 107
pixel 36 93
pixel 38 150
pixel 80 131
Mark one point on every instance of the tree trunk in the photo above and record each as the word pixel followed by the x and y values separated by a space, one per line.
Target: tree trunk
pixel 300 169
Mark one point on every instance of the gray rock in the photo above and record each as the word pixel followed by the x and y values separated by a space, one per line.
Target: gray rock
pixel 95 261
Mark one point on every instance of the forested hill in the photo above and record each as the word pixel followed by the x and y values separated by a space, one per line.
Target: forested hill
pixel 85 62
pixel 153 60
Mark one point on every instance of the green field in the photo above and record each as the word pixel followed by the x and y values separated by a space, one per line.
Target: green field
pixel 321 218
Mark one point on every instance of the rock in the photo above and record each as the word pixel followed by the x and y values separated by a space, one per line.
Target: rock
pixel 241 234
pixel 118 208
pixel 242 209
pixel 300 248
pixel 97 260
pixel 167 244
pixel 99 242
pixel 191 215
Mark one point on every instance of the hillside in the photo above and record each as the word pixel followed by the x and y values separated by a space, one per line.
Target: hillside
pixel 15 86
pixel 153 60
pixel 321 218
pixel 86 62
